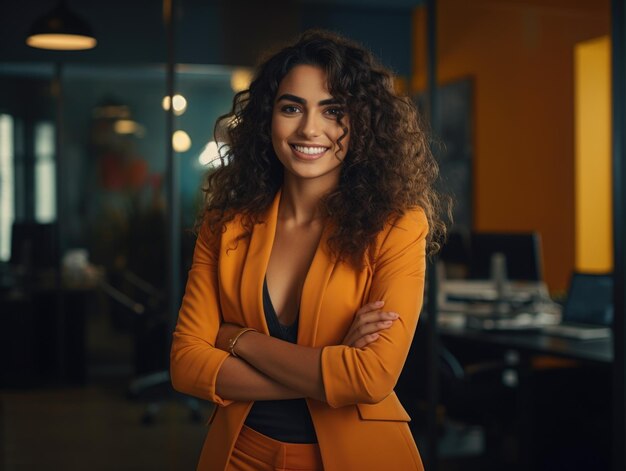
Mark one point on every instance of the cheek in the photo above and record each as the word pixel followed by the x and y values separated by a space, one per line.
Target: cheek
pixel 279 130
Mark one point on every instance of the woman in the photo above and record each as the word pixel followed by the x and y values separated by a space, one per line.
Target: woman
pixel 308 272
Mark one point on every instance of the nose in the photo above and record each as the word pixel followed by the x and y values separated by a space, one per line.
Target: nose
pixel 311 125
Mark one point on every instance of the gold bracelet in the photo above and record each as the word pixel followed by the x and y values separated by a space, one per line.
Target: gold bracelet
pixel 233 340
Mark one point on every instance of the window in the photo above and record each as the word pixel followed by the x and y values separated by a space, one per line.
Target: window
pixel 45 173
pixel 7 202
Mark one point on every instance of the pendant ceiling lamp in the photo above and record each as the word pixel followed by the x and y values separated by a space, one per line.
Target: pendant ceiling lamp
pixel 61 30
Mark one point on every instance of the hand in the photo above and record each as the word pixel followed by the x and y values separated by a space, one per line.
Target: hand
pixel 368 322
pixel 226 332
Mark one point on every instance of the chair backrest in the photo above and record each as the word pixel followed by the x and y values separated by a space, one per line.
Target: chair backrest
pixel 590 299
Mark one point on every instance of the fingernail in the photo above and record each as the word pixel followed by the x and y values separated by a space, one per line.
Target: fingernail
pixel 379 303
pixel 394 315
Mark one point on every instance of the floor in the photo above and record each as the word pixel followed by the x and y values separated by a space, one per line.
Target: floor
pixel 95 428
pixel 95 425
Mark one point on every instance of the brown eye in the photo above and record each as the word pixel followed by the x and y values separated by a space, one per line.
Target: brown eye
pixel 290 109
pixel 335 112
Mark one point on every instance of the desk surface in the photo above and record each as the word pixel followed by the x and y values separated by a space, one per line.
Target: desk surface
pixel 597 350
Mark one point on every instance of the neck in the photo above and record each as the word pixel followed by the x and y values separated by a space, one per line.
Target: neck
pixel 300 200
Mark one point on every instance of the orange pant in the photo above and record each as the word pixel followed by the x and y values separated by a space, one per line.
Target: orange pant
pixel 256 452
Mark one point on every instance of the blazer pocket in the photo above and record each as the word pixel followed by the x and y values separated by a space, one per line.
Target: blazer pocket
pixel 389 408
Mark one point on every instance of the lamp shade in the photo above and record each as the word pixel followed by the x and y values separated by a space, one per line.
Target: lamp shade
pixel 62 30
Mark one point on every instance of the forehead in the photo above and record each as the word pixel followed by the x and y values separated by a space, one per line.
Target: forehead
pixel 305 81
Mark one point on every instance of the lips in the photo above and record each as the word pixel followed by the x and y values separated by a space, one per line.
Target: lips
pixel 309 152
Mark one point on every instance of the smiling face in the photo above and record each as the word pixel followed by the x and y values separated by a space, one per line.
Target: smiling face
pixel 305 131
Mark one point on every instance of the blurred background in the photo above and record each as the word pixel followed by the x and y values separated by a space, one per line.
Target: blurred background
pixel 102 155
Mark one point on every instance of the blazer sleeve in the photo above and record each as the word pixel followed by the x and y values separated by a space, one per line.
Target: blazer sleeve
pixel 194 360
pixel 368 375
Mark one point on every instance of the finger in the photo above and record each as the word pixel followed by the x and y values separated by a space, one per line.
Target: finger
pixel 355 337
pixel 367 324
pixel 366 340
pixel 372 327
pixel 375 316
pixel 373 306
pixel 356 329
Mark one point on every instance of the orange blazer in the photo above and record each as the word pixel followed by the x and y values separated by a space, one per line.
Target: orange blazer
pixel 362 426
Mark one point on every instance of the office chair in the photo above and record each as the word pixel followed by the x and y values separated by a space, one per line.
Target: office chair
pixel 472 395
pixel 147 309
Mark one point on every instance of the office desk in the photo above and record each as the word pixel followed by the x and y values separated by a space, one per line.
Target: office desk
pixel 42 339
pixel 597 350
pixel 559 411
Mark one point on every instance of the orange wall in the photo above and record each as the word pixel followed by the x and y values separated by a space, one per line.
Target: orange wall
pixel 520 56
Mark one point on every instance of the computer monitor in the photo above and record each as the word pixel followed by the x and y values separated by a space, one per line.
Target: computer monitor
pixel 33 245
pixel 522 252
pixel 455 249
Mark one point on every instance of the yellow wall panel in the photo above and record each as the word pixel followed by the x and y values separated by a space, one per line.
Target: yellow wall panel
pixel 594 243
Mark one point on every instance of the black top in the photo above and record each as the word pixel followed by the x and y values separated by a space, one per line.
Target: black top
pixel 286 420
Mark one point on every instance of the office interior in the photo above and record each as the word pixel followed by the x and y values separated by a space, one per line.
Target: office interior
pixel 103 153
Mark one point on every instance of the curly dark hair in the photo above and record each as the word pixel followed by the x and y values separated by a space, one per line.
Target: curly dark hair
pixel 388 167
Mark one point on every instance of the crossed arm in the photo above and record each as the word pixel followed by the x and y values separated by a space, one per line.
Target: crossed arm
pixel 269 368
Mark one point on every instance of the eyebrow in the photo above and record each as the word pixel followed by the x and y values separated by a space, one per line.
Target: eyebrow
pixel 302 101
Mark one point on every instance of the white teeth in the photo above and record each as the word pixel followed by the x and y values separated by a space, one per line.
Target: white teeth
pixel 310 150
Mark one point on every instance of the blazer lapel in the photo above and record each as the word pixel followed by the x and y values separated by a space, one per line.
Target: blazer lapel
pixel 313 290
pixel 255 266
pixel 253 273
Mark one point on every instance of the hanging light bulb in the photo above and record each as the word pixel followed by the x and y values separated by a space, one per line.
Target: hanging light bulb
pixel 62 30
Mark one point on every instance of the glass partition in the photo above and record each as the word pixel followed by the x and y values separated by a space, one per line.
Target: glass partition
pixel 113 196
